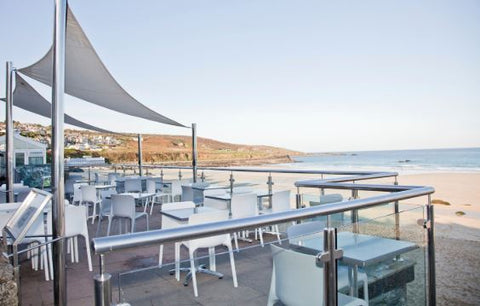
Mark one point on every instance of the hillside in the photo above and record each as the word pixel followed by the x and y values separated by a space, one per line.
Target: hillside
pixel 158 149
pixel 169 149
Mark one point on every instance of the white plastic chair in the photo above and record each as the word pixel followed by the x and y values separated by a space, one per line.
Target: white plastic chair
pixel 280 202
pixel 210 243
pixel 133 185
pixel 244 205
pixel 158 197
pixel 308 230
pixel 297 280
pixel 169 223
pixel 76 225
pixel 77 193
pixel 123 206
pixel 105 206
pixel 89 197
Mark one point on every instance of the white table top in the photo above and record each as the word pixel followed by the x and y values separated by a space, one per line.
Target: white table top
pixel 138 196
pixel 227 197
pixel 362 250
pixel 185 213
pixel 104 186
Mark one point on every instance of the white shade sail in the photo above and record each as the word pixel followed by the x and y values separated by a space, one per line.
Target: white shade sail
pixel 87 78
pixel 27 98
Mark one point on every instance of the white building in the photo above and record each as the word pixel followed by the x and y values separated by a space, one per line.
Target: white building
pixel 26 151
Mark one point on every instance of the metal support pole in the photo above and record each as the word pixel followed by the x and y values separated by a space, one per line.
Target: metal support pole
pixel 139 154
pixel 397 215
pixel 329 258
pixel 232 180
pixel 203 176
pixel 9 150
pixel 270 189
pixel 180 174
pixel 298 198
pixel 432 294
pixel 161 174
pixel 194 151
pixel 58 188
pixel 355 213
pixel 103 286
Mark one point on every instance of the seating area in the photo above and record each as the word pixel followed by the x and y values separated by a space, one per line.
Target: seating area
pixel 253 272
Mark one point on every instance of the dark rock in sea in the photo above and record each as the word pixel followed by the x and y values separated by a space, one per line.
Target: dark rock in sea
pixel 404 161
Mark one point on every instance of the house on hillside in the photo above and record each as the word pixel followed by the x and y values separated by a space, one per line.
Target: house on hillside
pixel 26 151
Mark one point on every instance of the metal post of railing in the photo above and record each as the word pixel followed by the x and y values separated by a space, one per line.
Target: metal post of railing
pixel 355 213
pixel 432 295
pixel 161 174
pixel 329 258
pixel 322 190
pixel 58 188
pixel 9 133
pixel 194 151
pixel 298 199
pixel 103 286
pixel 140 171
pixel 270 189
pixel 232 180
pixel 203 177
pixel 397 215
pixel 180 174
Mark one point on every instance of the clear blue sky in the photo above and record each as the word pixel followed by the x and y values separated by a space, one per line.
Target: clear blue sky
pixel 305 75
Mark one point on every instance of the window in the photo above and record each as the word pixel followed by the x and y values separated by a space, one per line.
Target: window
pixel 19 159
pixel 35 160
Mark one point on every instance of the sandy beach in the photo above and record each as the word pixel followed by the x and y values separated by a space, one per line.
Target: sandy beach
pixel 457 236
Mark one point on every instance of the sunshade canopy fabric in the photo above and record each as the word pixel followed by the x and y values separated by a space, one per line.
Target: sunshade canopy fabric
pixel 87 78
pixel 27 98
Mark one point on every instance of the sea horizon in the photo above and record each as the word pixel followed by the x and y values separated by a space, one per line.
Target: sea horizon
pixel 409 161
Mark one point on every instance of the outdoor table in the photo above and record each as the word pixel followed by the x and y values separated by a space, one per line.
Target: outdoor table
pixel 227 198
pixel 359 250
pixel 181 215
pixel 101 187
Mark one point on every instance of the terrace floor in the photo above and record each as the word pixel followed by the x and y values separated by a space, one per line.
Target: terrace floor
pixel 156 286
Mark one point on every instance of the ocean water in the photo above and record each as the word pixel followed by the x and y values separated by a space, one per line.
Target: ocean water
pixel 402 161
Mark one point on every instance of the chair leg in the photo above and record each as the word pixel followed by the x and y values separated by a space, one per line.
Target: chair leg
pixel 75 248
pixel 261 236
pixel 160 255
pixel 132 222
pixel 232 264
pixel 100 218
pixel 177 261
pixel 211 257
pixel 109 225
pixel 89 255
pixel 148 227
pixel 277 230
pixel 235 238
pixel 194 275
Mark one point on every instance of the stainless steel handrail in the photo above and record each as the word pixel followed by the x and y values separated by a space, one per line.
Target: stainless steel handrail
pixel 106 244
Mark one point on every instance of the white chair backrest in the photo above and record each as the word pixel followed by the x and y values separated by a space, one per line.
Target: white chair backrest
pixel 69 185
pixel 151 186
pixel 176 187
pixel 75 220
pixel 298 279
pixel 133 185
pixel 77 192
pixel 208 217
pixel 89 193
pixel 123 205
pixel 281 201
pixel 187 193
pixel 107 203
pixel 328 198
pixel 244 205
pixel 305 230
